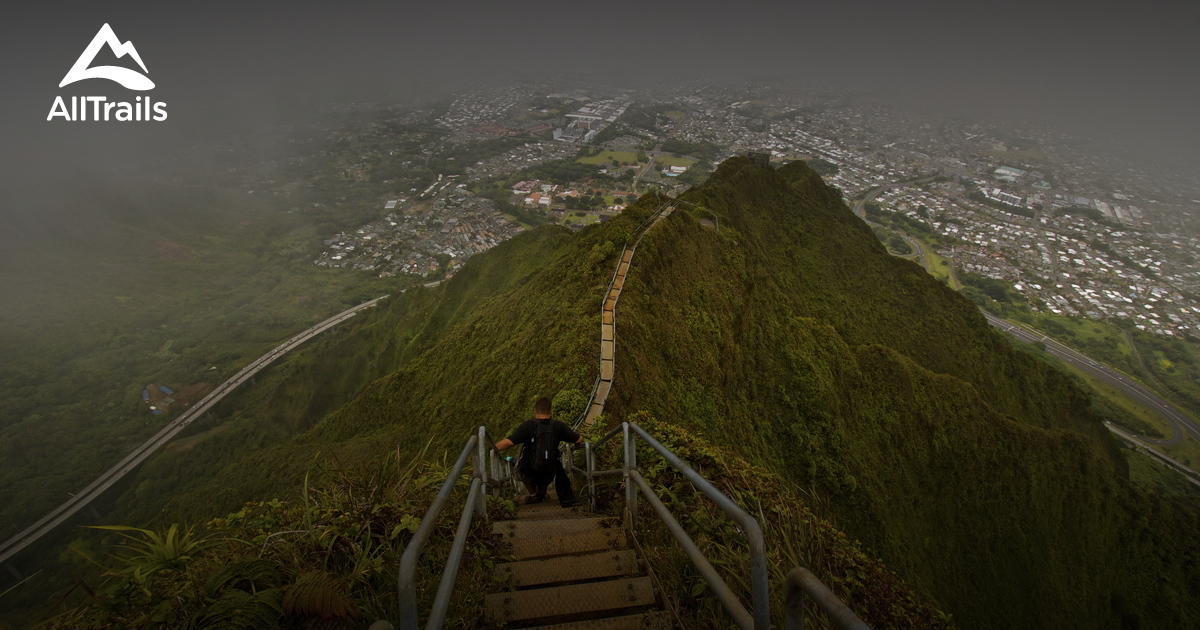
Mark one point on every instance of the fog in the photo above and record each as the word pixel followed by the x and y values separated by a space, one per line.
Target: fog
pixel 1125 70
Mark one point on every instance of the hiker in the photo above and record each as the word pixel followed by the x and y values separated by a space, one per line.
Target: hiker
pixel 539 463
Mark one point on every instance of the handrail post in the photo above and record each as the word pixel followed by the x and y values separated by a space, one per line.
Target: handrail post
pixel 801 582
pixel 481 470
pixel 759 581
pixel 590 464
pixel 630 463
pixel 494 470
pixel 406 585
pixel 441 600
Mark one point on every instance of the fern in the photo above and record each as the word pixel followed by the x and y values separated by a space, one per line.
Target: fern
pixel 318 594
pixel 238 609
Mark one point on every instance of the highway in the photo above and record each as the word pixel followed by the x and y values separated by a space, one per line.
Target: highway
pixel 1180 421
pixel 919 251
pixel 1190 475
pixel 31 534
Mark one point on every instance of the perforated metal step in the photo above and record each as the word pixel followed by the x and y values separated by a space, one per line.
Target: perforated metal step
pixel 573 599
pixel 606 370
pixel 549 528
pixel 643 621
pixel 580 542
pixel 569 568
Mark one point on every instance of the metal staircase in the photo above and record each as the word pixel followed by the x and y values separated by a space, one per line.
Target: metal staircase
pixel 578 570
pixel 574 569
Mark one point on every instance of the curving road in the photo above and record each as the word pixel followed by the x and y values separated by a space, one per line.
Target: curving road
pixel 919 251
pixel 31 534
pixel 1180 421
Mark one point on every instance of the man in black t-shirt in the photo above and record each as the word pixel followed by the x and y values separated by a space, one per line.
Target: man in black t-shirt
pixel 538 482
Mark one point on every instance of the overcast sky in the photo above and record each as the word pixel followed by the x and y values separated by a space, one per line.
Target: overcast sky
pixel 1130 67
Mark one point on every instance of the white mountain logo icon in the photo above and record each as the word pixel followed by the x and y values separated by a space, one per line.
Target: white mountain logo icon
pixel 126 77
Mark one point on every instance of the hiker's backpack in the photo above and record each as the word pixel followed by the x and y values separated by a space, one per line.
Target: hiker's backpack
pixel 545 447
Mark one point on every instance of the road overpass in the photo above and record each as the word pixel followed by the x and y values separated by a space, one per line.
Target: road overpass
pixel 31 534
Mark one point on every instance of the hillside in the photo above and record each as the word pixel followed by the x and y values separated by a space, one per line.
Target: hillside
pixel 973 469
pixel 866 390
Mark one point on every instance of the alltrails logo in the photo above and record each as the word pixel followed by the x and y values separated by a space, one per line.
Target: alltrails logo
pixel 143 108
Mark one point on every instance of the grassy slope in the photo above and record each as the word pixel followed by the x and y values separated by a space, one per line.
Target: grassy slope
pixel 971 468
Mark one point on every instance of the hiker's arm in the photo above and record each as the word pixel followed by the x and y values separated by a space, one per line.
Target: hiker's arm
pixel 504 444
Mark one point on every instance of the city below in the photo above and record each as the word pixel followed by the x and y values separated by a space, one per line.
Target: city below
pixel 1072 233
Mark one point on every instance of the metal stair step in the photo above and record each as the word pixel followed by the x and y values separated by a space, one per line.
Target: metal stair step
pixel 591 566
pixel 579 542
pixel 595 410
pixel 602 392
pixel 546 528
pixel 556 602
pixel 548 510
pixel 549 506
pixel 643 621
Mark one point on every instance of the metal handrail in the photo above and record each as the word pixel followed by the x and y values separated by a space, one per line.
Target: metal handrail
pixel 759 586
pixel 487 460
pixel 801 582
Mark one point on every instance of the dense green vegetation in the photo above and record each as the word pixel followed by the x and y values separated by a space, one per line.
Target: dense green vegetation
pixel 795 536
pixel 967 465
pixel 838 381
pixel 326 560
pixel 696 173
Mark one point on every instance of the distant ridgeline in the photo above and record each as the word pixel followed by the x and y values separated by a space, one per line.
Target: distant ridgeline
pixel 973 470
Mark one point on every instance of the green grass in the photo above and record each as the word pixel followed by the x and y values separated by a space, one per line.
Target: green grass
pixel 939 267
pixel 1187 452
pixel 514 219
pixel 670 160
pixel 1089 330
pixel 1149 472
pixel 1124 401
pixel 587 219
pixel 608 156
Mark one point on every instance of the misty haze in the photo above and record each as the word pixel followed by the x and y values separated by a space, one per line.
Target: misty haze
pixel 914 291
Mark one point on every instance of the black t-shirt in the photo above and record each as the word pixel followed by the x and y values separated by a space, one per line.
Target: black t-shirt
pixel 527 433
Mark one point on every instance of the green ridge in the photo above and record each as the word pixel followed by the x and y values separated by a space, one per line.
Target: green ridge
pixel 976 471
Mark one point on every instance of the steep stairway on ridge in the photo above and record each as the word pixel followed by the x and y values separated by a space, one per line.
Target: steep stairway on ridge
pixel 608 326
pixel 575 571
